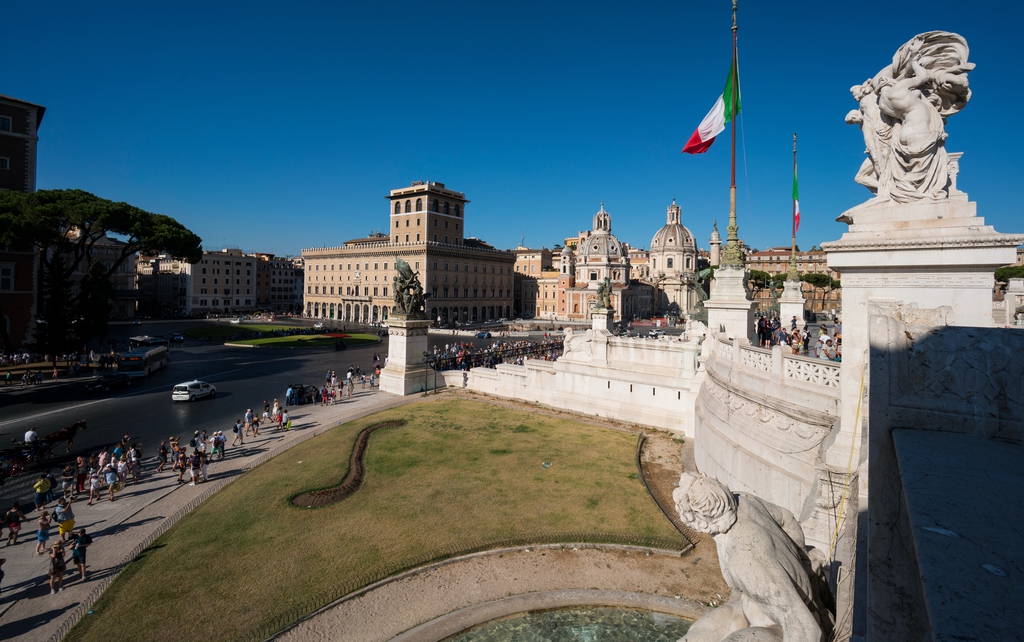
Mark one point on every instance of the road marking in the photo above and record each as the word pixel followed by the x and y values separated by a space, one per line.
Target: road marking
pixel 27 418
pixel 52 412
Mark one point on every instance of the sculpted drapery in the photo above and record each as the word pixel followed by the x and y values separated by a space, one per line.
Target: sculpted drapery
pixel 902 114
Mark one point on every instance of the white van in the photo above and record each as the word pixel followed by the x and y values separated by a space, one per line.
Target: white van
pixel 192 390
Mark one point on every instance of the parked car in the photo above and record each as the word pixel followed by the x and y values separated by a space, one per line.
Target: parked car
pixel 318 326
pixel 483 335
pixel 178 337
pixel 192 390
pixel 236 321
pixel 109 382
pixel 654 334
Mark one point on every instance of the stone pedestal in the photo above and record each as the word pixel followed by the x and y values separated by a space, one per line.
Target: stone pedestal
pixel 603 319
pixel 1013 300
pixel 730 305
pixel 933 261
pixel 791 304
pixel 405 372
pixel 926 255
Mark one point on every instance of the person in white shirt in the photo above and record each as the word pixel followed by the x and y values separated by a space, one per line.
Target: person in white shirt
pixel 31 436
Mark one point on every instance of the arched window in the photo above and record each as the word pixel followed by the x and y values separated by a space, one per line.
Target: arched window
pixel 419 204
pixel 457 211
pixel 446 210
pixel 436 206
pixel 689 263
pixel 398 207
pixel 408 206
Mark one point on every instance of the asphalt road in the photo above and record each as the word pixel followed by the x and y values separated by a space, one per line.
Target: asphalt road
pixel 244 377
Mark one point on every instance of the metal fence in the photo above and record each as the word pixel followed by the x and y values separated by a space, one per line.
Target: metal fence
pixel 547 350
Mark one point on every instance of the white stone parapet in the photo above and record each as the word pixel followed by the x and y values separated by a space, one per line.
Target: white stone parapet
pixel 762 419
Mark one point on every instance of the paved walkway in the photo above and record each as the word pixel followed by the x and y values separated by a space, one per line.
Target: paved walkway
pixel 125 527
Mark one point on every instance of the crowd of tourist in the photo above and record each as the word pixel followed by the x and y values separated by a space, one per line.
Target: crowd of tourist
pixel 464 356
pixel 771 332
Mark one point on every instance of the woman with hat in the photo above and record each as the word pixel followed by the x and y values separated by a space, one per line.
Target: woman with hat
pixel 43 532
pixel 57 567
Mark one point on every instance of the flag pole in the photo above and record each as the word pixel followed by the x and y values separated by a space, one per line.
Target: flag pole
pixel 732 255
pixel 793 275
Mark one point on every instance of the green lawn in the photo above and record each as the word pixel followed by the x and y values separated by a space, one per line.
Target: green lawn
pixel 308 341
pixel 459 475
pixel 223 330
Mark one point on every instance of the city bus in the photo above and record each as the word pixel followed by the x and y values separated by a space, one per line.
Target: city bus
pixel 134 343
pixel 142 361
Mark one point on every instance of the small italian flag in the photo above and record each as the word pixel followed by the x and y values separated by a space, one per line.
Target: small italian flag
pixel 723 111
pixel 796 203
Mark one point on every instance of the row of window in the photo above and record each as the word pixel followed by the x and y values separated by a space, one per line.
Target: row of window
pixel 419 207
pixel 217 302
pixel 226 291
pixel 416 266
pixel 407 221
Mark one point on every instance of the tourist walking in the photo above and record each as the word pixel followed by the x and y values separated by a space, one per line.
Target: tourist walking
pixel 82 470
pixel 195 467
pixel 238 430
pixel 110 478
pixel 95 486
pixel 181 463
pixel 57 568
pixel 42 532
pixel 41 487
pixel 79 543
pixel 65 518
pixel 14 519
pixel 161 456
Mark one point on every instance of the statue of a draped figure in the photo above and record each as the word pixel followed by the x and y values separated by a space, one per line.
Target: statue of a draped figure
pixel 902 114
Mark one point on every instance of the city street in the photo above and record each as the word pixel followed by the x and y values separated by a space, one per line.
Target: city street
pixel 244 377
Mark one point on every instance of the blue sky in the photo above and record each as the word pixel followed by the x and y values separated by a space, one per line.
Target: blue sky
pixel 281 126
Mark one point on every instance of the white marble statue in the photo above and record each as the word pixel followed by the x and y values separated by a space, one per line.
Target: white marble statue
pixel 776 595
pixel 902 114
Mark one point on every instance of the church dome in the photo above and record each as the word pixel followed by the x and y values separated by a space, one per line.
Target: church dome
pixel 674 235
pixel 602 242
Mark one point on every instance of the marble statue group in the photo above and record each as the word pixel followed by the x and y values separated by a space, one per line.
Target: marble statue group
pixel 902 114
pixel 408 291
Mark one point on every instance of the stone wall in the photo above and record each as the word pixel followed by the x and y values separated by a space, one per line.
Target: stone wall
pixel 945 436
pixel 763 418
pixel 649 382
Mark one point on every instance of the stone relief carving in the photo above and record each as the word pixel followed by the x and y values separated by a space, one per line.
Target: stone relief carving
pixel 767 416
pixel 577 345
pixel 778 592
pixel 902 113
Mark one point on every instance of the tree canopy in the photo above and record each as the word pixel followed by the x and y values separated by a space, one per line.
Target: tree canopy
pixel 66 226
pixel 1004 274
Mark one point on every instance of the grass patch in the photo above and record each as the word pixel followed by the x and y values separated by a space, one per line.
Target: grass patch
pixel 221 331
pixel 246 558
pixel 308 341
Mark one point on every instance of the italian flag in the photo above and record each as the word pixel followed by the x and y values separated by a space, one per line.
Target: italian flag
pixel 727 106
pixel 796 203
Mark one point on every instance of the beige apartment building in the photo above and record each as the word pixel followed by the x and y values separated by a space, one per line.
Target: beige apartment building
pixel 276 277
pixel 224 282
pixel 465 280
